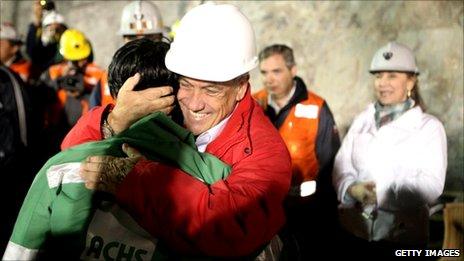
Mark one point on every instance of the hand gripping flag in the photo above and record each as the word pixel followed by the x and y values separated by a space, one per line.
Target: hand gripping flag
pixel 58 208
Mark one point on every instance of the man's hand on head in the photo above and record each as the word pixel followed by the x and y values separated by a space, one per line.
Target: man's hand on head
pixel 105 173
pixel 132 105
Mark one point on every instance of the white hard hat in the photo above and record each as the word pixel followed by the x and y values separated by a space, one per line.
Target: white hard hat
pixel 51 18
pixel 394 57
pixel 214 42
pixel 141 18
pixel 8 32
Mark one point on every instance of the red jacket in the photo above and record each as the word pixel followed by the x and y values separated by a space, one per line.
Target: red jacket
pixel 232 217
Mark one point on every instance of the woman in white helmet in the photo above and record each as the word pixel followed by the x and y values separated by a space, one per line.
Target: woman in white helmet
pixel 392 163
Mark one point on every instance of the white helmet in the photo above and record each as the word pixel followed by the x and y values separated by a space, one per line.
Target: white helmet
pixel 394 57
pixel 214 42
pixel 8 32
pixel 141 18
pixel 51 18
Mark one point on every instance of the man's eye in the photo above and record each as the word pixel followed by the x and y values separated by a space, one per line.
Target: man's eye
pixel 184 86
pixel 212 91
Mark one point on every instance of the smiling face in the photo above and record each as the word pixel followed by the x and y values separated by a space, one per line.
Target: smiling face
pixel 205 104
pixel 277 77
pixel 392 87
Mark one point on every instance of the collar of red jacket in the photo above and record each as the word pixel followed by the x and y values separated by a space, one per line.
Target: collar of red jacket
pixel 236 129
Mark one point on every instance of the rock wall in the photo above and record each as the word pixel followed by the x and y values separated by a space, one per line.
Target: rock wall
pixel 333 42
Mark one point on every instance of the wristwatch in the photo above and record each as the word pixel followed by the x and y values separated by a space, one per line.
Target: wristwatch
pixel 106 129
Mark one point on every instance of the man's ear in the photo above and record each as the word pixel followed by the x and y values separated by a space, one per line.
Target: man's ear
pixel 293 71
pixel 242 87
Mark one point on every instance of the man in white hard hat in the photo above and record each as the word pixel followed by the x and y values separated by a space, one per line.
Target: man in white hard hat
pixel 213 53
pixel 10 54
pixel 139 19
pixel 44 34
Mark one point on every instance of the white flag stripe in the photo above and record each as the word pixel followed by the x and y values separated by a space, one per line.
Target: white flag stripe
pixel 64 173
pixel 14 251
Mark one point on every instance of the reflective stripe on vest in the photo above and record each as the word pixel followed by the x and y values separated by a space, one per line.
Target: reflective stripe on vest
pixel 299 132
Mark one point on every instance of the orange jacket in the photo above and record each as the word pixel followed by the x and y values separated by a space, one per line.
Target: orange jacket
pixel 299 135
pixel 105 93
pixel 22 68
pixel 299 125
pixel 101 95
pixel 92 76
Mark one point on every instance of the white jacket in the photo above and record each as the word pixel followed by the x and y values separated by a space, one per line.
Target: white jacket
pixel 407 160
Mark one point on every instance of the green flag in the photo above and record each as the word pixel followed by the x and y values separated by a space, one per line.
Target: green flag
pixel 58 208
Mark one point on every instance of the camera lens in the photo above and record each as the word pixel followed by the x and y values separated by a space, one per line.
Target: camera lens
pixel 71 81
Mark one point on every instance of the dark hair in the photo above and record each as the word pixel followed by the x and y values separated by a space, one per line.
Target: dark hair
pixel 415 94
pixel 16 42
pixel 145 57
pixel 285 51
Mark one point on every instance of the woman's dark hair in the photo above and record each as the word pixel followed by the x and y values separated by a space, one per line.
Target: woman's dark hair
pixel 415 94
pixel 145 57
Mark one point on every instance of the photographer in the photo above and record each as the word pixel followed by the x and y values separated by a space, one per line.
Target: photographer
pixel 44 34
pixel 69 84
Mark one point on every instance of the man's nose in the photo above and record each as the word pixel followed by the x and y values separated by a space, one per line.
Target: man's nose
pixel 268 78
pixel 195 101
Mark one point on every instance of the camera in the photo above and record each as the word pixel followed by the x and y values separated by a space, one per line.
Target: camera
pixel 47 5
pixel 72 83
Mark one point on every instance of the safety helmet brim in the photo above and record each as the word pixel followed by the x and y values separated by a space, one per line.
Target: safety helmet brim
pixel 394 57
pixel 214 42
